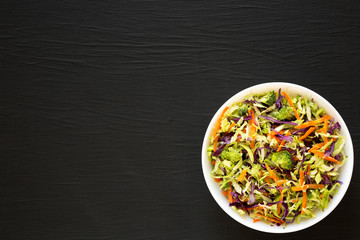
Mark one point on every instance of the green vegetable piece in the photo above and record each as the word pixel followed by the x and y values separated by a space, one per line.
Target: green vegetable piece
pixel 269 99
pixel 265 127
pixel 285 113
pixel 243 110
pixel 282 159
pixel 231 154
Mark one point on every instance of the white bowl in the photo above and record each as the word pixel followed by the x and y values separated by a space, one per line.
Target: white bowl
pixel 345 171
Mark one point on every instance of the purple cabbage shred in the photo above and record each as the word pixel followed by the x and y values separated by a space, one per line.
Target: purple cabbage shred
pixel 278 103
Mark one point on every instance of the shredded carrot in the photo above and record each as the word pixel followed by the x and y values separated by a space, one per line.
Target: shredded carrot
pixel 294 200
pixel 314 186
pixel 301 178
pixel 215 143
pixel 291 104
pixel 307 186
pixel 213 162
pixel 256 220
pixel 312 123
pixel 242 175
pixel 316 147
pixel 279 205
pixel 231 126
pixel 271 173
pixel 218 122
pixel 272 136
pixel 282 143
pixel 270 219
pixel 217 179
pixel 308 169
pixel 279 182
pixel 225 193
pixel 303 207
pixel 322 155
pixel 307 133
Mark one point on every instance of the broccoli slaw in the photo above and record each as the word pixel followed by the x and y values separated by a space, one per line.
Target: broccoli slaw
pixel 277 157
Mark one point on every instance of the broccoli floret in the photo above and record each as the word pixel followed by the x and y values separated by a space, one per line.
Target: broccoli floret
pixel 243 110
pixel 282 159
pixel 231 154
pixel 269 99
pixel 285 113
pixel 265 127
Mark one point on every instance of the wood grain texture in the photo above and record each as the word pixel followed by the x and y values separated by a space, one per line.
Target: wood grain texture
pixel 104 105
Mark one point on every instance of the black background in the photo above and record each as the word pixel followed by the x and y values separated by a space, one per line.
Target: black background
pixel 104 105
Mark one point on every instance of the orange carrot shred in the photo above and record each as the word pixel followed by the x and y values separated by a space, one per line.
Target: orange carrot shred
pixel 308 170
pixel 291 104
pixel 322 155
pixel 242 175
pixel 271 173
pixel 256 220
pixel 307 186
pixel 301 178
pixel 312 123
pixel 307 133
pixel 279 182
pixel 217 179
pixel 270 219
pixel 218 122
pixel 231 126
pixel 279 205
pixel 316 147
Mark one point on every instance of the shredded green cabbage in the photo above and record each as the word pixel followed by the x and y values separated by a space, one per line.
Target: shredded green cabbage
pixel 262 160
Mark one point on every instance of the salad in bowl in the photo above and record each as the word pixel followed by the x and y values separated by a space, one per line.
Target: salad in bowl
pixel 276 157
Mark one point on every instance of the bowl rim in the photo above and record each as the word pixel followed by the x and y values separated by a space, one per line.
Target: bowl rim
pixel 260 226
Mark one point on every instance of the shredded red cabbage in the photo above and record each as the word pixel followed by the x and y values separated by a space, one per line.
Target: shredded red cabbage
pixel 219 150
pixel 223 142
pixel 283 137
pixel 333 127
pixel 278 103
pixel 330 150
pixel 307 178
pixel 277 121
pixel 337 157
pixel 326 179
pixel 250 101
pixel 300 130
pixel 236 119
pixel 286 210
pixel 223 169
pixel 248 117
pixel 296 214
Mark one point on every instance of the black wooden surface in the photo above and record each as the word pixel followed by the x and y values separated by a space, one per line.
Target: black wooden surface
pixel 104 104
